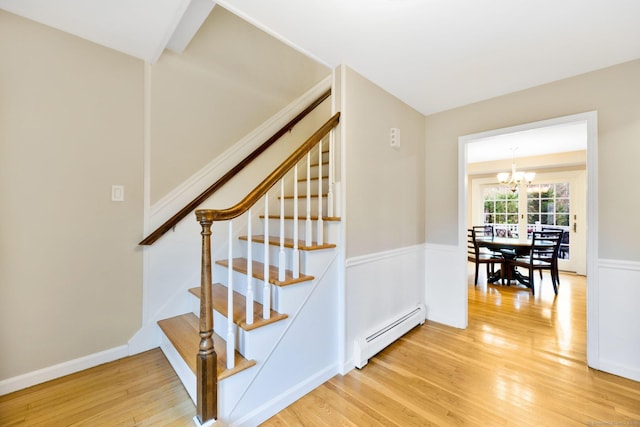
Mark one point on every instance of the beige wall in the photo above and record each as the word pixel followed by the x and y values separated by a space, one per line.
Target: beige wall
pixel 384 186
pixel 72 120
pixel 612 92
pixel 71 116
pixel 230 79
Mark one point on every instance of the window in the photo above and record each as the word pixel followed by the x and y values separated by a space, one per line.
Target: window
pixel 501 208
pixel 548 204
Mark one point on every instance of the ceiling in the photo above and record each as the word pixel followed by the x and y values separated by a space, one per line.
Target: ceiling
pixel 534 142
pixel 432 54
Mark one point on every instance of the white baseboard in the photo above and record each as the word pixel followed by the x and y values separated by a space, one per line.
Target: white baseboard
pixel 278 403
pixel 145 339
pixel 56 371
pixel 631 372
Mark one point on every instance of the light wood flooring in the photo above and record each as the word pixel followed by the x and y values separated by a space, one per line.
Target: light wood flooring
pixel 520 362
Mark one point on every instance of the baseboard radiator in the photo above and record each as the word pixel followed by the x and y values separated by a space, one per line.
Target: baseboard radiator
pixel 369 345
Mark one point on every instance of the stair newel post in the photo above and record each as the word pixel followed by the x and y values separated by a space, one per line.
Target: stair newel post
pixel 230 335
pixel 281 254
pixel 330 207
pixel 266 291
pixel 295 267
pixel 207 359
pixel 320 231
pixel 250 296
pixel 307 237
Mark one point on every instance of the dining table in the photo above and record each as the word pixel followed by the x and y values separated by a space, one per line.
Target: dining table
pixel 510 248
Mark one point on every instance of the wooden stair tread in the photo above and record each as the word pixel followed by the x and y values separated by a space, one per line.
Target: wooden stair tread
pixel 288 243
pixel 301 196
pixel 239 308
pixel 184 333
pixel 303 218
pixel 240 265
pixel 311 179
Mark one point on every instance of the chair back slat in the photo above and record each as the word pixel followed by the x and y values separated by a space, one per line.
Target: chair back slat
pixel 472 249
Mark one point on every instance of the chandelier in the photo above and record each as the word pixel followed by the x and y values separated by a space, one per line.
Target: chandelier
pixel 515 178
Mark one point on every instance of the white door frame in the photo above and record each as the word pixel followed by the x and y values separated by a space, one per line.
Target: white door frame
pixel 591 118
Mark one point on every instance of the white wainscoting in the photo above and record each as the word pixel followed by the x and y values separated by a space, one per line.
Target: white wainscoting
pixel 380 286
pixel 619 317
pixel 445 285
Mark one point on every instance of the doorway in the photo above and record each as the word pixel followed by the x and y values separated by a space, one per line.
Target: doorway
pixel 591 222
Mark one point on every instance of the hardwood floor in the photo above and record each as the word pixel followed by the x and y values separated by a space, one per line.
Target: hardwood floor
pixel 142 390
pixel 521 362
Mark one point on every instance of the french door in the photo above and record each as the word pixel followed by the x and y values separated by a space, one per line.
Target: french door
pixel 554 200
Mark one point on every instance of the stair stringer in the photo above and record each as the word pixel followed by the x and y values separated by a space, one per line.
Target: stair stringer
pixel 304 356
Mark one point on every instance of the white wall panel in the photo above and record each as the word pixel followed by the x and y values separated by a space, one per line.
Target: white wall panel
pixel 445 285
pixel 619 318
pixel 380 287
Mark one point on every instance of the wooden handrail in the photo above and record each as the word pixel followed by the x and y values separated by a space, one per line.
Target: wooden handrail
pixel 173 221
pixel 262 188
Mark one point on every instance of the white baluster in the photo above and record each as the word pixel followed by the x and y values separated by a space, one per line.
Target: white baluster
pixel 320 238
pixel 231 341
pixel 296 252
pixel 281 255
pixel 266 290
pixel 330 201
pixel 308 223
pixel 250 297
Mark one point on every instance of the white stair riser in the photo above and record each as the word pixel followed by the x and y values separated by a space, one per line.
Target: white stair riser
pixel 331 229
pixel 255 344
pixel 302 170
pixel 240 284
pixel 289 298
pixel 274 209
pixel 302 187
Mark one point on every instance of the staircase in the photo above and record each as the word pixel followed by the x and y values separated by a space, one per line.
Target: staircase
pixel 273 298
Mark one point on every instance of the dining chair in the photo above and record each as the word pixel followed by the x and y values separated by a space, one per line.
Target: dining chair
pixel 564 240
pixel 486 231
pixel 478 255
pixel 543 255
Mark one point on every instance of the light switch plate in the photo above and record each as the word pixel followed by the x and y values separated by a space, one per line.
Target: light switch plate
pixel 117 193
